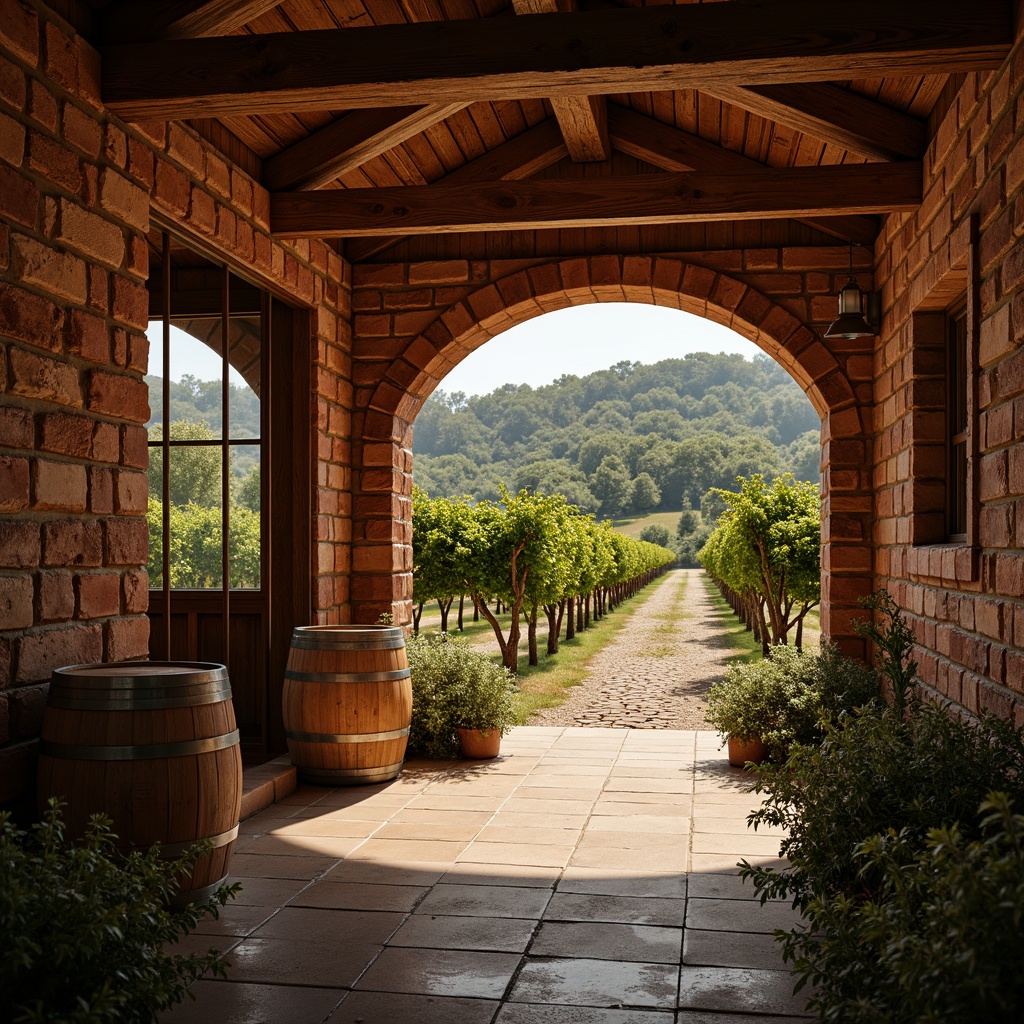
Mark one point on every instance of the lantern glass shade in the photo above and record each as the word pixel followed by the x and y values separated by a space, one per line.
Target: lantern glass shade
pixel 850 323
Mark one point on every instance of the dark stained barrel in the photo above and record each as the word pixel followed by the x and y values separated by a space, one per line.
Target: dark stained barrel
pixel 347 703
pixel 154 746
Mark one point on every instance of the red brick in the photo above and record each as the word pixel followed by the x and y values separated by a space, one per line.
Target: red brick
pixel 172 189
pixel 42 106
pixel 127 639
pixel 19 198
pixel 186 149
pixel 12 141
pixel 101 491
pixel 440 272
pixel 98 595
pixel 67 434
pixel 40 377
pixel 91 234
pixel 59 273
pixel 15 602
pixel 82 131
pixel 14 487
pixel 134 447
pixel 72 543
pixel 123 199
pixel 40 653
pixel 19 544
pixel 13 89
pixel 141 161
pixel 56 601
pixel 136 591
pixel 16 426
pixel 59 165
pixel 130 492
pixel 86 336
pixel 19 31
pixel 61 58
pixel 120 396
pixel 127 542
pixel 30 318
pixel 129 302
pixel 58 486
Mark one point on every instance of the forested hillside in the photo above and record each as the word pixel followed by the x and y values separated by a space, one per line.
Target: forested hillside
pixel 626 440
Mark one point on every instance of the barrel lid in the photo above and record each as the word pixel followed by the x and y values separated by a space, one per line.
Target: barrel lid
pixel 131 674
pixel 348 637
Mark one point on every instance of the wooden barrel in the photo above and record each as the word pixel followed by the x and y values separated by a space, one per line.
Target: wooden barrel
pixel 347 703
pixel 154 746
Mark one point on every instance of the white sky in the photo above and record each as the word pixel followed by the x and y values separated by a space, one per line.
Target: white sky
pixel 581 339
pixel 577 340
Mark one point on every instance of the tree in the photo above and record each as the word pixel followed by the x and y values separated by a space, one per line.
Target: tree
pixel 655 535
pixel 610 485
pixel 766 547
pixel 195 474
pixel 442 535
pixel 644 494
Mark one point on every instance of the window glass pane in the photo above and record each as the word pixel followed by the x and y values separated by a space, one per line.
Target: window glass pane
pixel 244 355
pixel 245 517
pixel 196 375
pixel 195 543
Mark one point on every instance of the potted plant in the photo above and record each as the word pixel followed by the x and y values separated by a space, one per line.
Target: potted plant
pixel 764 707
pixel 457 692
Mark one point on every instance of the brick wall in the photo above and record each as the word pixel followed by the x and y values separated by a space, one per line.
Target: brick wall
pixel 966 601
pixel 77 189
pixel 414 322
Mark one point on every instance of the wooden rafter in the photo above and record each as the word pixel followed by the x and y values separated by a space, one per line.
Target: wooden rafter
pixel 583 119
pixel 349 142
pixel 520 157
pixel 673 150
pixel 561 203
pixel 657 48
pixel 833 115
pixel 130 21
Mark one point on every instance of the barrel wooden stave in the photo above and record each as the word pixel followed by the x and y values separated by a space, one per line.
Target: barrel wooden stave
pixel 353 708
pixel 171 800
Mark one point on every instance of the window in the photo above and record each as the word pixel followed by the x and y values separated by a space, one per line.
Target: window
pixel 957 385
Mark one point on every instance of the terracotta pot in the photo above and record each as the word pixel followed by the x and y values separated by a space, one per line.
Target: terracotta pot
pixel 742 751
pixel 479 744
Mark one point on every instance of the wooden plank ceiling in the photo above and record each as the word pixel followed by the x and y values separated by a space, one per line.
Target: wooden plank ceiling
pixel 371 120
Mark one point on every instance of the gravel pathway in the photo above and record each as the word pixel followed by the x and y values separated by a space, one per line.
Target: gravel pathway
pixel 656 673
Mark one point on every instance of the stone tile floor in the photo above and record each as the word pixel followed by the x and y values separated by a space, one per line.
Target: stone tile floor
pixel 587 876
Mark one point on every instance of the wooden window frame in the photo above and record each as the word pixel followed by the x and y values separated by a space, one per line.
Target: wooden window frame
pixel 959 426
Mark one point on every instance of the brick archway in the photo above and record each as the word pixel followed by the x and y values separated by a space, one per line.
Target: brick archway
pixel 481 309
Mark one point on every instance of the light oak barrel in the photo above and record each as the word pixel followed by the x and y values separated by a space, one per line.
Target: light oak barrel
pixel 347 703
pixel 154 746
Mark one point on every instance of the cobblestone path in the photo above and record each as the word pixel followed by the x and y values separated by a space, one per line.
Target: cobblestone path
pixel 656 673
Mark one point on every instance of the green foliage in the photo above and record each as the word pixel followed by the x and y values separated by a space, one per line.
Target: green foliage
pixel 690 424
pixel 452 686
pixel 195 546
pixel 195 472
pixel 903 853
pixel 788 697
pixel 84 926
pixel 941 940
pixel 655 535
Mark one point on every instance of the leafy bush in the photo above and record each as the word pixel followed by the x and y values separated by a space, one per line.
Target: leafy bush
pixel 84 925
pixel 788 696
pixel 452 686
pixel 940 940
pixel 902 851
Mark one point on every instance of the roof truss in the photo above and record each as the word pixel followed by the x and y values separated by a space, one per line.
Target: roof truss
pixel 561 203
pixel 741 43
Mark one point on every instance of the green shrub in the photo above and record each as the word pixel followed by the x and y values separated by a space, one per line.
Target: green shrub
pixel 940 939
pixel 787 697
pixel 904 882
pixel 84 926
pixel 452 686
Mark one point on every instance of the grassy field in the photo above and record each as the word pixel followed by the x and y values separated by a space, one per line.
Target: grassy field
pixel 632 526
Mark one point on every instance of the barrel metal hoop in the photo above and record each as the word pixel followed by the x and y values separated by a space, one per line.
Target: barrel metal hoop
pixel 141 752
pixel 70 698
pixel 348 677
pixel 352 776
pixel 217 841
pixel 345 643
pixel 335 737
pixel 183 899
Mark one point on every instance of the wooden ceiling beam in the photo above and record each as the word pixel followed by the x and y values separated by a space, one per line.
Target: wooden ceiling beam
pixel 671 149
pixel 348 143
pixel 521 157
pixel 593 202
pixel 583 119
pixel 136 21
pixel 658 48
pixel 833 115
